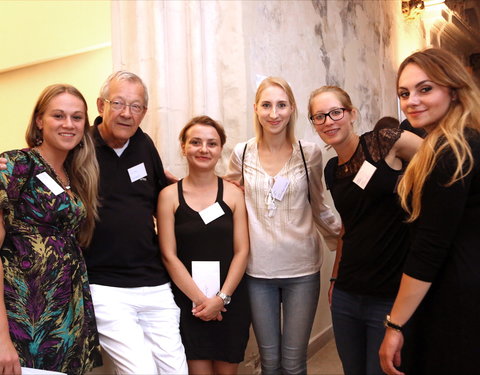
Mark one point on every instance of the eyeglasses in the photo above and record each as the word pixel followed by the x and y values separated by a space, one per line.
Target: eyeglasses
pixel 335 114
pixel 118 105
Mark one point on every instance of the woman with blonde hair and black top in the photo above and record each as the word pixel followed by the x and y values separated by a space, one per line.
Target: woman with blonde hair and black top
pixel 48 207
pixel 374 243
pixel 439 300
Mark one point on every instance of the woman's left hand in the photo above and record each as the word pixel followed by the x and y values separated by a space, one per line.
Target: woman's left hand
pixel 390 350
pixel 210 309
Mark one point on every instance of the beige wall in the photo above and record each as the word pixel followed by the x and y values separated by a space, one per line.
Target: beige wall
pixel 46 42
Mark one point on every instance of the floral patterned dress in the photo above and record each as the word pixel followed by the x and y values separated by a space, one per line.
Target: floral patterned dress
pixel 47 297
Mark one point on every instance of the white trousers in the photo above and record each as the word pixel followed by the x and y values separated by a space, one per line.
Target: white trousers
pixel 139 329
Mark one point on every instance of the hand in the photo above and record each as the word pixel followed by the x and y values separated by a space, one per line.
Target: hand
pixel 170 177
pixel 330 292
pixel 9 361
pixel 3 164
pixel 390 352
pixel 210 309
pixel 236 183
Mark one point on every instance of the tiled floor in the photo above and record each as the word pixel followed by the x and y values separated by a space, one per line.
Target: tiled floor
pixel 325 361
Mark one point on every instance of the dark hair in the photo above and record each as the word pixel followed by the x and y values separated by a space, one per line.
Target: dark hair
pixel 387 122
pixel 203 120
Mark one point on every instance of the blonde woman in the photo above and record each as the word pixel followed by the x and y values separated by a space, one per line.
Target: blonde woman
pixel 438 303
pixel 369 260
pixel 285 205
pixel 48 206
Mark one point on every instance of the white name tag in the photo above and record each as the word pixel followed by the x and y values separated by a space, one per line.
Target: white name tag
pixel 50 183
pixel 211 213
pixel 206 275
pixel 364 174
pixel 279 187
pixel 137 172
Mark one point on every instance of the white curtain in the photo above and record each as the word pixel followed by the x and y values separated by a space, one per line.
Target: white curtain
pixel 192 61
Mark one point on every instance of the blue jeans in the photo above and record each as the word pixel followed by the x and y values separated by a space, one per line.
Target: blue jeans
pixel 359 331
pixel 283 347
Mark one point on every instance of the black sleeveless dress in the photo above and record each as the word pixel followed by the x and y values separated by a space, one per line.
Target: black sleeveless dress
pixel 197 241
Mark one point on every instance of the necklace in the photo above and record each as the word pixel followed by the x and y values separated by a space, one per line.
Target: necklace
pixel 65 184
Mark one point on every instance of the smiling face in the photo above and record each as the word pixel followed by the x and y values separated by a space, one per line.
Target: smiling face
pixel 119 126
pixel 332 132
pixel 273 110
pixel 423 101
pixel 202 146
pixel 62 123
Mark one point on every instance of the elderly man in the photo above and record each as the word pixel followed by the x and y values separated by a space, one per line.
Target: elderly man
pixel 137 317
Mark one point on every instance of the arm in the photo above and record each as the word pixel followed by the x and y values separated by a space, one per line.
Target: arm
pixel 167 202
pixel 9 361
pixel 234 172
pixel 325 220
pixel 405 147
pixel 338 257
pixel 234 198
pixel 442 213
pixel 410 294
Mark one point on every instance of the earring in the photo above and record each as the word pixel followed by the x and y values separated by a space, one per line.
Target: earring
pixel 38 141
pixel 81 144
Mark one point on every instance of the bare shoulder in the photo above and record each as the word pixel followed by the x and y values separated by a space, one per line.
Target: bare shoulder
pixel 169 196
pixel 232 190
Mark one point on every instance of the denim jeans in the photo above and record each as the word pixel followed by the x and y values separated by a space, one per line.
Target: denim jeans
pixel 283 345
pixel 359 331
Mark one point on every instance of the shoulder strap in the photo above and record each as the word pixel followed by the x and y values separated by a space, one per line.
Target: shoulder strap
pixel 330 170
pixel 220 190
pixel 306 170
pixel 181 199
pixel 243 159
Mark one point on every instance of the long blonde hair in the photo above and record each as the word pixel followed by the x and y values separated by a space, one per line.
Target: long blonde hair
pixel 280 82
pixel 81 163
pixel 445 70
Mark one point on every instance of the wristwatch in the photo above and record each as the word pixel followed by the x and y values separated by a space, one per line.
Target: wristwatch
pixel 225 297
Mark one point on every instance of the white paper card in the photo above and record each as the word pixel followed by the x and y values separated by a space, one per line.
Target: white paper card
pixel 206 275
pixel 50 183
pixel 279 187
pixel 211 213
pixel 364 174
pixel 137 172
pixel 35 371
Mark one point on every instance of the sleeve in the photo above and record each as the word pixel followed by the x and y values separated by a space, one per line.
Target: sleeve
pixel 441 214
pixel 234 171
pixel 386 138
pixel 325 220
pixel 13 178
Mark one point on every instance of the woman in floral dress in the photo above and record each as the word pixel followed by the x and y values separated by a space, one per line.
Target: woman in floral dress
pixel 48 206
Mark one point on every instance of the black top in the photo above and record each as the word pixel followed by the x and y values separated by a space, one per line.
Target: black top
pixel 442 335
pixel 376 238
pixel 124 251
pixel 197 241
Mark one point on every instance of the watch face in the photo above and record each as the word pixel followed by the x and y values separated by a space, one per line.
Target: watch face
pixel 227 300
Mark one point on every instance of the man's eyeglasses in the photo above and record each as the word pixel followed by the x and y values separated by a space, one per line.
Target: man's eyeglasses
pixel 118 105
pixel 335 114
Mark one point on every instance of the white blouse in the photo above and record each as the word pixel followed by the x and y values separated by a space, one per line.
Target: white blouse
pixel 284 241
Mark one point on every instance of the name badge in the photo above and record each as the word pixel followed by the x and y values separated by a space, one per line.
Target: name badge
pixel 211 213
pixel 137 172
pixel 279 187
pixel 50 183
pixel 364 174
